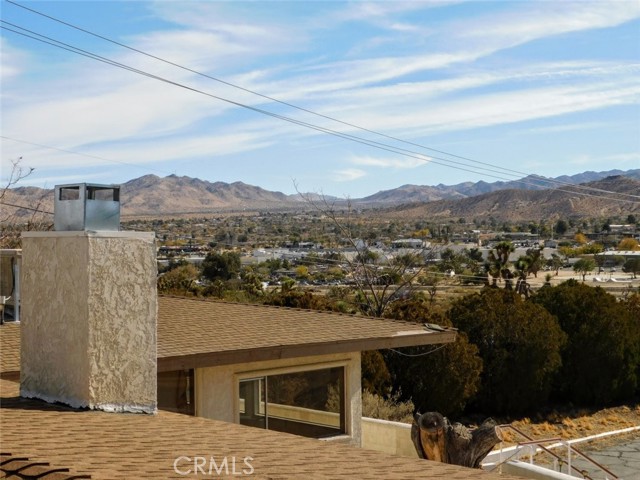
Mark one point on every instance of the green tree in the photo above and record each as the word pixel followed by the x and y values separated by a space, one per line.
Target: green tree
pixel 436 379
pixel 179 281
pixel 632 266
pixel 555 262
pixel 376 378
pixel 450 260
pixel 561 227
pixel 600 360
pixel 584 266
pixel 302 272
pixel 251 283
pixel 221 266
pixel 519 343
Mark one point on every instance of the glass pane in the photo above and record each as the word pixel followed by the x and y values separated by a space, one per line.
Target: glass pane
pixel 309 404
pixel 252 402
pixel 70 193
pixel 176 391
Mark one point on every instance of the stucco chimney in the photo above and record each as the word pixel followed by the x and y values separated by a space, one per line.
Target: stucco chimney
pixel 89 309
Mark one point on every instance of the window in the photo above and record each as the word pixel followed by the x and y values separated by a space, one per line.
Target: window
pixel 176 392
pixel 309 403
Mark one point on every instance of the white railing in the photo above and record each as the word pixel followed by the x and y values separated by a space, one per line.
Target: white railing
pixel 533 447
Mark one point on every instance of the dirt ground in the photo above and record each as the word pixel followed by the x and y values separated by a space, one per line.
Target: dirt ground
pixel 575 424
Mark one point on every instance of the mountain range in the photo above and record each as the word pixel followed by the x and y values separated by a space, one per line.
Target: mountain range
pixel 529 197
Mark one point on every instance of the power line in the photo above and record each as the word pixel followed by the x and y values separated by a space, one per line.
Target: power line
pixel 64 46
pixel 433 350
pixel 26 208
pixel 503 170
pixel 288 104
pixel 401 151
pixel 84 155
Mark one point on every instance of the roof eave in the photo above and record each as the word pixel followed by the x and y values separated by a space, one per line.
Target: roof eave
pixel 276 352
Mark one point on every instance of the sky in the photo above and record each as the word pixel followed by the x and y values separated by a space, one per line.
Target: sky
pixel 387 93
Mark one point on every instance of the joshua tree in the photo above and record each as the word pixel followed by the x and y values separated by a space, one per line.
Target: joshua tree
pixel 499 261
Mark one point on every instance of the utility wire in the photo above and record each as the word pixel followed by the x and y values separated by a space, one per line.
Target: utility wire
pixel 253 92
pixel 64 46
pixel 56 43
pixel 26 208
pixel 84 154
pixel 433 350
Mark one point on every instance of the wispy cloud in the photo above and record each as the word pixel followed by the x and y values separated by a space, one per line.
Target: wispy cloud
pixel 544 19
pixel 601 160
pixel 567 127
pixel 11 59
pixel 396 70
pixel 399 163
pixel 348 174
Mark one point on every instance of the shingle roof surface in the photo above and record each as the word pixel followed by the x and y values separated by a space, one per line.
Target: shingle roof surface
pixel 233 332
pixel 217 327
pixel 9 348
pixel 138 446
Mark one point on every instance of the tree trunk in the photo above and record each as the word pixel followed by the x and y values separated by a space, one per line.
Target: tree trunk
pixel 436 439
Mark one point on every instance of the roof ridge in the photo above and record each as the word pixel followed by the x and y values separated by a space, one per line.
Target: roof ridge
pixel 295 309
pixel 262 305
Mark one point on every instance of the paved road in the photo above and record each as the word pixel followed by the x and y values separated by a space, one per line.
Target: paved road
pixel 623 460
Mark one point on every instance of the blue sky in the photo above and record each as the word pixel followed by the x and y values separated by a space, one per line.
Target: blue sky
pixel 550 88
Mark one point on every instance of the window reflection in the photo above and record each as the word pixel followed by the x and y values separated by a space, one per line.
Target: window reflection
pixel 310 404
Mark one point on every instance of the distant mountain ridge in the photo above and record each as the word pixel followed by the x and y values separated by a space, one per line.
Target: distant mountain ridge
pixel 578 201
pixel 419 193
pixel 152 195
pixel 173 194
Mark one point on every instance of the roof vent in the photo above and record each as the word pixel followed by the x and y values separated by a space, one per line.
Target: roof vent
pixel 87 206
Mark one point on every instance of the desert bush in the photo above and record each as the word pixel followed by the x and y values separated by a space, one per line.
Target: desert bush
pixel 391 408
pixel 519 343
pixel 442 378
pixel 600 360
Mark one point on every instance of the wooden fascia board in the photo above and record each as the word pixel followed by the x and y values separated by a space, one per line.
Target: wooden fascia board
pixel 275 352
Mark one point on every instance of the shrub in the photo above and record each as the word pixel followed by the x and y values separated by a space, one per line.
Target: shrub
pixel 519 343
pixel 600 359
pixel 444 380
pixel 387 408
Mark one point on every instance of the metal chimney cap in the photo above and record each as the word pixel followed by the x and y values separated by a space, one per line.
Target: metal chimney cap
pixel 86 206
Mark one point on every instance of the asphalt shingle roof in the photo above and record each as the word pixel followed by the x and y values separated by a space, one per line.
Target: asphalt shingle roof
pixel 138 446
pixel 41 440
pixel 214 333
pixel 196 333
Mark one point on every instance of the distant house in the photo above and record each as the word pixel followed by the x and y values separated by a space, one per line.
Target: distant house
pixel 608 258
pixel 409 243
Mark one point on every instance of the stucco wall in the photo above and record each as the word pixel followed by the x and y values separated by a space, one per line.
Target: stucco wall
pixel 89 319
pixel 216 388
pixel 388 437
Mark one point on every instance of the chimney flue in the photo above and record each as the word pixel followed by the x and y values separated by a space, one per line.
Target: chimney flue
pixel 86 206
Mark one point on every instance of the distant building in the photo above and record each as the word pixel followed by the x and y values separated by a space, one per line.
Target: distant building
pixel 409 243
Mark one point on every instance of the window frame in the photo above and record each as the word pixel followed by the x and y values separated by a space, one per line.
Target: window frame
pixel 309 367
pixel 191 390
